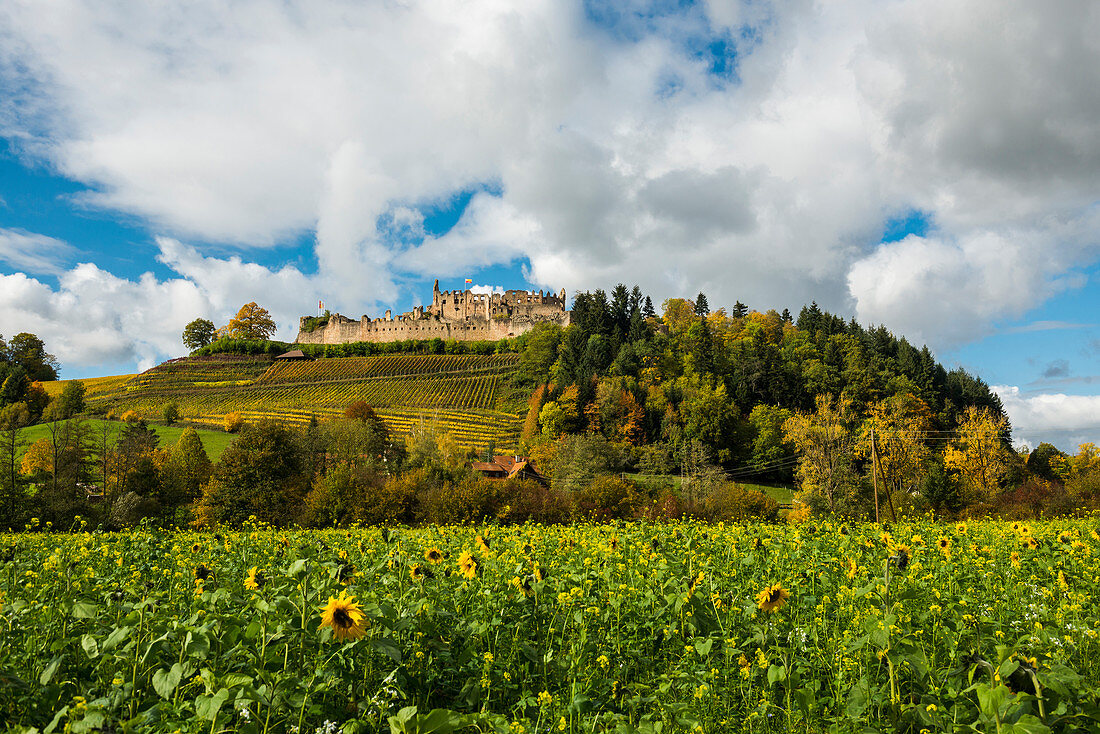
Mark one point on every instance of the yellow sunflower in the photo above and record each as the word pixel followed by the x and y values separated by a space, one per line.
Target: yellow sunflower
pixel 468 565
pixel 433 555
pixel 255 579
pixel 419 572
pixel 944 544
pixel 482 544
pixel 772 598
pixel 344 616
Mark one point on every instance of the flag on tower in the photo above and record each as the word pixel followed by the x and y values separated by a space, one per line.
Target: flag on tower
pixel 469 280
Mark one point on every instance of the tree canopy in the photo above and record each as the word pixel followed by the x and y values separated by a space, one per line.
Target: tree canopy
pixel 251 322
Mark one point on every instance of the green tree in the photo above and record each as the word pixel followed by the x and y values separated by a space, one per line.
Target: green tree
pixel 259 474
pixel 539 354
pixel 702 308
pixel 71 400
pixel 251 322
pixel 186 469
pixel 29 352
pixel 770 447
pixel 198 334
pixel 171 413
pixel 13 494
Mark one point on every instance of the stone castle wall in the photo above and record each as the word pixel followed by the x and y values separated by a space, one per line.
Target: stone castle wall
pixel 459 315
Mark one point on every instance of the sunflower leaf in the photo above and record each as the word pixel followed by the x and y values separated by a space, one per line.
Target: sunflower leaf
pixel 165 681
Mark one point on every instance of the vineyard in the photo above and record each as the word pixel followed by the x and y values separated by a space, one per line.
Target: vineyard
pixel 455 394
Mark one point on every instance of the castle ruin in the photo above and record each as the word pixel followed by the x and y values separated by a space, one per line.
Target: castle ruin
pixel 459 315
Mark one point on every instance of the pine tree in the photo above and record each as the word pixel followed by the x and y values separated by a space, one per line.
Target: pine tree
pixel 702 308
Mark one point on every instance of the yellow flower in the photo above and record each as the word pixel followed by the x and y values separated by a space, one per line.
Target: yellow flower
pixel 255 579
pixel 419 573
pixel 344 616
pixel 468 565
pixel 545 699
pixel 433 555
pixel 772 598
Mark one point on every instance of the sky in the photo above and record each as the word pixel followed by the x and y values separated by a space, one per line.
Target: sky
pixel 929 165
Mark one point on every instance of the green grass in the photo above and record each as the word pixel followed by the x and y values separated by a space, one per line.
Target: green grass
pixel 213 441
pixel 782 495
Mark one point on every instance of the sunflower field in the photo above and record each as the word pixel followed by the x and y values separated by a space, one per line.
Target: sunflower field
pixel 633 627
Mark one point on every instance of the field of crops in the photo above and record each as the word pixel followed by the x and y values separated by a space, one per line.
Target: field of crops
pixel 458 394
pixel 987 627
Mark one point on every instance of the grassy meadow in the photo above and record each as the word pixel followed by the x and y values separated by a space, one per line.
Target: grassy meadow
pixel 214 441
pixel 985 626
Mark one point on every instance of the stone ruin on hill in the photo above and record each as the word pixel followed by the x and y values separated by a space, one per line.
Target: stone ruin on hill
pixel 460 315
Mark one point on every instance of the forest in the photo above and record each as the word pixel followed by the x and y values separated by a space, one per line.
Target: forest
pixel 631 413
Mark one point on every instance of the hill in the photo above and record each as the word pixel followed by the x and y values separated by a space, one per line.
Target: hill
pixel 466 395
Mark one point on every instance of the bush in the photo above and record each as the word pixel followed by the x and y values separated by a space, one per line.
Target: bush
pixel 171 413
pixel 233 422
pixel 732 502
pixel 130 416
pixel 525 500
pixel 608 498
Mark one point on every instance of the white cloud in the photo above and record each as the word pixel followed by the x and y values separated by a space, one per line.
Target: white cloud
pixel 1063 420
pixel 35 252
pixel 95 322
pixel 612 157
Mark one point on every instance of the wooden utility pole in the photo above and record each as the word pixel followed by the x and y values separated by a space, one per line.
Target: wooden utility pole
pixel 874 472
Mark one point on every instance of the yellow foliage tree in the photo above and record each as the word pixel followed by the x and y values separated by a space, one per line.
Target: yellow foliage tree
pixel 825 450
pixel 899 425
pixel 251 322
pixel 978 454
pixel 39 458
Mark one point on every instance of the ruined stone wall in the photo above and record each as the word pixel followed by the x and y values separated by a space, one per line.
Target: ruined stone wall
pixel 459 315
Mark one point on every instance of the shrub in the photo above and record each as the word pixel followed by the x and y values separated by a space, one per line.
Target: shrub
pixel 733 502
pixel 130 416
pixel 525 500
pixel 608 498
pixel 171 413
pixel 233 422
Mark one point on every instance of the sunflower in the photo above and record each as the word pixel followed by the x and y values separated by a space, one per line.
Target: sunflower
pixel 482 544
pixel 537 571
pixel 772 598
pixel 195 547
pixel 944 544
pixel 344 616
pixel 961 528
pixel 1030 542
pixel 851 565
pixel 433 555
pixel 419 573
pixel 901 557
pixel 202 573
pixel 468 565
pixel 255 579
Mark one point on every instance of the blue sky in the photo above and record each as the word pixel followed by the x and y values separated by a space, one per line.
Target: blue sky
pixel 931 166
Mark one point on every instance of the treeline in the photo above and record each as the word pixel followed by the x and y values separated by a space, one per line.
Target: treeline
pixel 114 474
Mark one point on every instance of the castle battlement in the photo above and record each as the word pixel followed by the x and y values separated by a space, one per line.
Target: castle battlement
pixel 461 315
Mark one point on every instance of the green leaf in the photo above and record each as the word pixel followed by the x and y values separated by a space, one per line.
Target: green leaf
pixel 235 679
pixel 776 674
pixel 206 707
pixel 165 681
pixel 91 647
pixel 50 671
pixel 84 610
pixel 1027 724
pixel 297 569
pixel 703 646
pixel 387 647
pixel 117 636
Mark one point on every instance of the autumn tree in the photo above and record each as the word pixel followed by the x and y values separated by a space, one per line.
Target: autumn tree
pixel 826 453
pixel 892 438
pixel 251 322
pixel 199 333
pixel 978 454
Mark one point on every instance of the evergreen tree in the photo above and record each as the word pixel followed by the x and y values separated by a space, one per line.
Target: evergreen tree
pixel 740 310
pixel 702 308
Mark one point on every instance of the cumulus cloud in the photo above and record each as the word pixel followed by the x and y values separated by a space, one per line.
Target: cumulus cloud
pixel 605 150
pixel 1063 420
pixel 97 322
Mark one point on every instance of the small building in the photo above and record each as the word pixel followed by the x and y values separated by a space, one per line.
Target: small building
pixel 509 467
pixel 294 355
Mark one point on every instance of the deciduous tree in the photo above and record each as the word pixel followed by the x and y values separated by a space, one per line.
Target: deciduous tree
pixel 199 333
pixel 979 454
pixel 251 322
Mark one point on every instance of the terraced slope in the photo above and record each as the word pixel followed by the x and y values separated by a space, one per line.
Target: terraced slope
pixel 457 394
